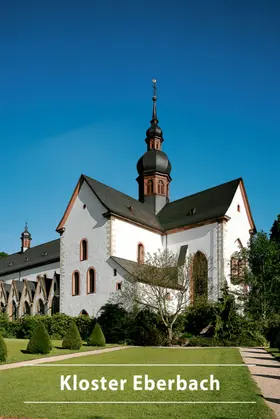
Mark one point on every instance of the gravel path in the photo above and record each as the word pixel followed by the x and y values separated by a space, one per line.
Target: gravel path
pixel 59 358
pixel 266 374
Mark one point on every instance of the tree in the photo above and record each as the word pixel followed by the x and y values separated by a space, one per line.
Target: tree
pixel 96 338
pixel 275 230
pixel 73 339
pixel 262 277
pixel 160 285
pixel 39 342
pixel 3 255
pixel 3 349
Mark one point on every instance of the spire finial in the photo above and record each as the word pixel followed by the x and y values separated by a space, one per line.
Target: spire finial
pixel 26 227
pixel 154 115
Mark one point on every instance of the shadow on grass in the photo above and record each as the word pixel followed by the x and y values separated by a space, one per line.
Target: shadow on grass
pixel 24 351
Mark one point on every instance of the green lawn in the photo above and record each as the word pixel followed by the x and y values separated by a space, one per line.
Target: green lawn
pixel 15 346
pixel 275 352
pixel 43 384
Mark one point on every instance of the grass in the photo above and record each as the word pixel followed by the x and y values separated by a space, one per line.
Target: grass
pixel 275 352
pixel 15 346
pixel 43 384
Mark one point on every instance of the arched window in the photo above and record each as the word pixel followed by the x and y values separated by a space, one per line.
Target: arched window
pixel 40 307
pixel 141 253
pixel 199 277
pixel 26 308
pixel 14 310
pixel 84 249
pixel 55 305
pixel 238 208
pixel 161 187
pixel 76 283
pixel 83 313
pixel 150 187
pixel 91 284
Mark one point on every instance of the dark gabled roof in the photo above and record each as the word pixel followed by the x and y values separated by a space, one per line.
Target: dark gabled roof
pixel 134 268
pixel 19 286
pixel 35 256
pixel 120 204
pixel 203 206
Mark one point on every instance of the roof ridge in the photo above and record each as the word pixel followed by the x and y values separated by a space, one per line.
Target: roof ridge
pixel 31 248
pixel 207 189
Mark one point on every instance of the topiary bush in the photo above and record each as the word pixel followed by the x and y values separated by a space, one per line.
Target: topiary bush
pixel 40 342
pixel 97 337
pixel 72 339
pixel 3 349
pixel 27 325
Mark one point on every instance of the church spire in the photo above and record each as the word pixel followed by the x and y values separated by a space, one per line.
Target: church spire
pixel 154 115
pixel 154 133
pixel 154 166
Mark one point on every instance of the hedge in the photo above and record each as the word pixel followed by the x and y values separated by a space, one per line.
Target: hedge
pixel 56 325
pixel 3 349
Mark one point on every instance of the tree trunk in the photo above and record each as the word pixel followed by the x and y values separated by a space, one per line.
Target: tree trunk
pixel 170 334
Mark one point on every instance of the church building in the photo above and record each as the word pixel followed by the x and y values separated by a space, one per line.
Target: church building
pixel 104 233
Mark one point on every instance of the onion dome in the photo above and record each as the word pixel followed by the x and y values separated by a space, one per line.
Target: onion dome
pixel 154 161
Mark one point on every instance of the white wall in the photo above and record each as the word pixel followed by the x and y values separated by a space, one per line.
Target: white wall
pixel 203 239
pixel 86 223
pixel 236 228
pixel 126 237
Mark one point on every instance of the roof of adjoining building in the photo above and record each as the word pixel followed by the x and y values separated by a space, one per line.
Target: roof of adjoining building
pixel 35 256
pixel 133 269
pixel 193 209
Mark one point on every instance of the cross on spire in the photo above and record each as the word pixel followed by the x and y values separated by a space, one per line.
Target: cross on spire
pixel 154 88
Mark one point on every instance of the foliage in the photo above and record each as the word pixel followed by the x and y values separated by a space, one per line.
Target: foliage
pixel 199 315
pixel 149 329
pixel 262 277
pixel 72 339
pixel 3 255
pixel 159 285
pixel 85 325
pixel 40 342
pixel 275 230
pixel 227 320
pixel 8 329
pixel 58 324
pixel 115 322
pixel 97 337
pixel 27 325
pixel 3 349
pixel 271 329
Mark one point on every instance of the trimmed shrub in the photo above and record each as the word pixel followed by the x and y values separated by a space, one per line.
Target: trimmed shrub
pixel 40 342
pixel 96 338
pixel 3 349
pixel 8 329
pixel 72 339
pixel 58 324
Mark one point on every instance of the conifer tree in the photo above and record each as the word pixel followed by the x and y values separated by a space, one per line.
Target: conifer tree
pixel 40 342
pixel 73 339
pixel 97 337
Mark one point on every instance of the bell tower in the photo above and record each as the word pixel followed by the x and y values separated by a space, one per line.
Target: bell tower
pixel 25 239
pixel 153 167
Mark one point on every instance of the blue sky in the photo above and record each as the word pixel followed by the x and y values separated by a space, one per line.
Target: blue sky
pixel 75 97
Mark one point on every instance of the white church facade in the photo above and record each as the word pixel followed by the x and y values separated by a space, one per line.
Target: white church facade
pixel 104 232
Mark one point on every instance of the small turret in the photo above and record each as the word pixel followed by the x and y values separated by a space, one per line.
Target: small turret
pixel 25 239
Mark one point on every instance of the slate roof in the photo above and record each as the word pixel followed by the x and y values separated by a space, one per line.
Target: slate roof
pixel 123 205
pixel 132 268
pixel 203 206
pixel 35 256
